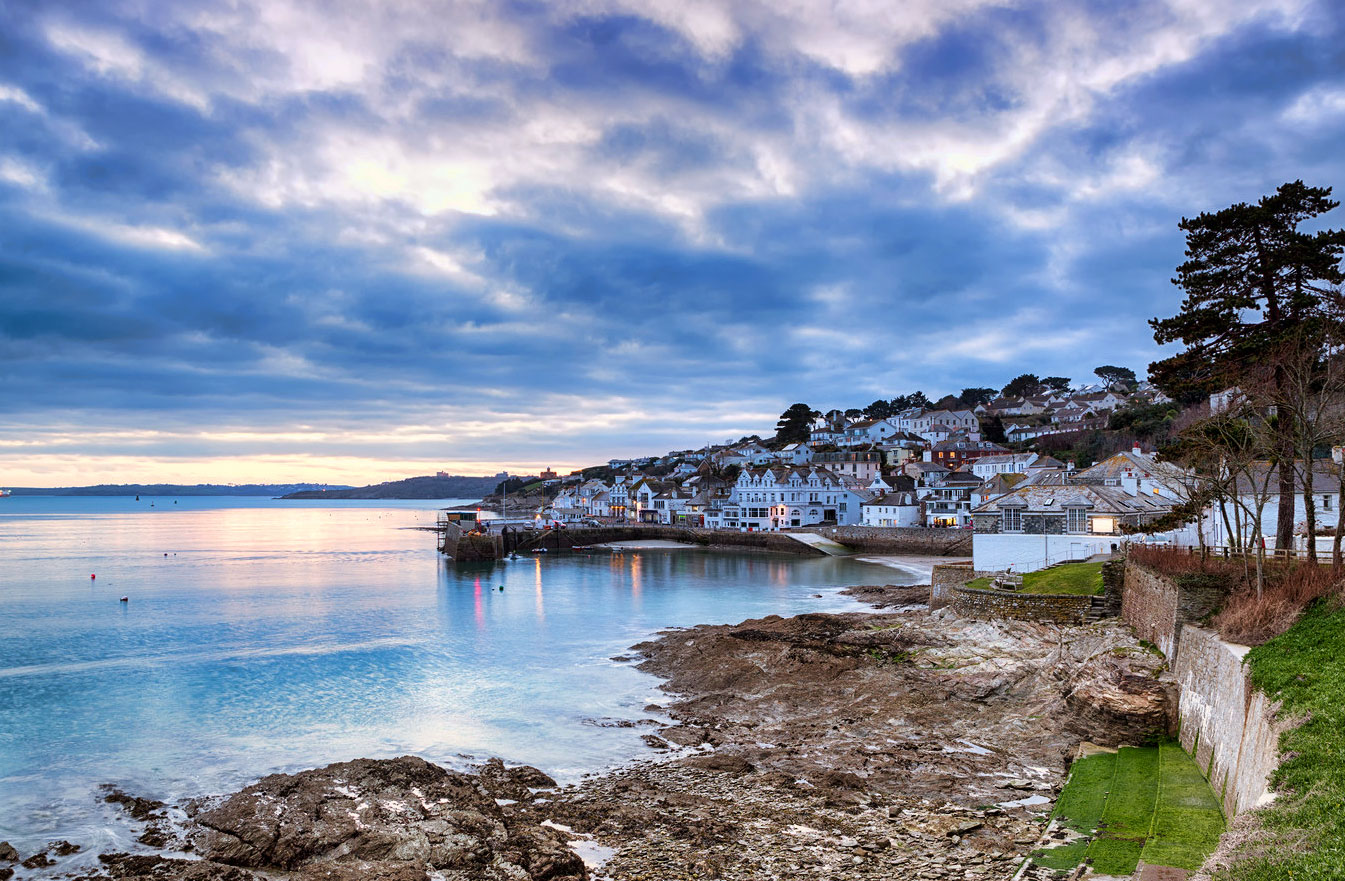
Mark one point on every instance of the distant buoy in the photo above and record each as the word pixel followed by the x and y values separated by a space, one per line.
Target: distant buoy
pixel 92 576
pixel 501 587
pixel 165 555
pixel 125 599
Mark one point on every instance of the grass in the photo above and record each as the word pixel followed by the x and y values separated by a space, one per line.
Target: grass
pixel 1188 820
pixel 1129 812
pixel 1149 803
pixel 1080 808
pixel 1304 668
pixel 1074 579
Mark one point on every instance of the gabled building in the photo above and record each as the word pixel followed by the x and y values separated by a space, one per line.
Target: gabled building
pixel 955 454
pixel 767 499
pixel 949 503
pixel 852 466
pixel 1038 525
pixel 892 509
pixel 1003 463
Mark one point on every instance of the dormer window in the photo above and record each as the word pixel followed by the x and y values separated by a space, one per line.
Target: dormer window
pixel 1076 520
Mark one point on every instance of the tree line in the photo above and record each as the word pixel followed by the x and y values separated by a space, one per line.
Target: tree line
pixel 797 420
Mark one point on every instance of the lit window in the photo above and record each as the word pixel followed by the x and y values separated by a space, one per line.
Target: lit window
pixel 1104 525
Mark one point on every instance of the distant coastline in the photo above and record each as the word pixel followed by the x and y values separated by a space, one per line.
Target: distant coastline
pixel 177 489
pixel 439 487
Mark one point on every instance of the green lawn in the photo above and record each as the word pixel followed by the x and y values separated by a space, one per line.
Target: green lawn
pixel 1305 669
pixel 1149 803
pixel 1077 579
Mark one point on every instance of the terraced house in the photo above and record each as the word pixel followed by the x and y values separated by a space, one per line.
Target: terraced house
pixel 767 499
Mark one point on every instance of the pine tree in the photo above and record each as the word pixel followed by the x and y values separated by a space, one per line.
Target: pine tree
pixel 1253 281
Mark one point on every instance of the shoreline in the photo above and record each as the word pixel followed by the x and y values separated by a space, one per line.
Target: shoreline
pixel 833 745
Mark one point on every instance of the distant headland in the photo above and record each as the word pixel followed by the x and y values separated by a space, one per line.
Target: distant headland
pixel 440 486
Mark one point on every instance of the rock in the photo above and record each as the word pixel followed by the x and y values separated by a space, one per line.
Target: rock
pixel 723 762
pixel 7 853
pixel 385 819
pixel 145 867
pixel 138 808
pixel 512 783
pixel 6 873
pixel 1115 702
pixel 654 741
pixel 1020 784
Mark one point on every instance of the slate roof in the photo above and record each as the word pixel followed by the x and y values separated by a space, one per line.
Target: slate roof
pixel 893 499
pixel 1045 499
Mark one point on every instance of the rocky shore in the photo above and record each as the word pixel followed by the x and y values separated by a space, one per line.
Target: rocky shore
pixel 861 745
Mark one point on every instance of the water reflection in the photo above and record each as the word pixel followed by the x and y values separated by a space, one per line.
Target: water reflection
pixel 287 638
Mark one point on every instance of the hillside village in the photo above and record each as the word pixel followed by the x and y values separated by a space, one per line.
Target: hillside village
pixel 927 467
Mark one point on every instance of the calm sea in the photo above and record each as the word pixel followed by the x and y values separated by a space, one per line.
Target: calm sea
pixel 262 635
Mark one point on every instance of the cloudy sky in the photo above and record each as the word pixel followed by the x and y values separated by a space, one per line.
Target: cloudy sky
pixel 351 242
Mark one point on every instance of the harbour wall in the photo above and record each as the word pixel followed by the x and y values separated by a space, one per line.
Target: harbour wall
pixel 909 540
pixel 860 539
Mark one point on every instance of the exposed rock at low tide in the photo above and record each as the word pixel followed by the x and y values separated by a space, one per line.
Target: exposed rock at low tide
pixel 390 819
pixel 823 746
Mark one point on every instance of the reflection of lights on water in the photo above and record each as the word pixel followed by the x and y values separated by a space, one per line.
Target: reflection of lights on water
pixel 537 586
pixel 480 613
pixel 637 561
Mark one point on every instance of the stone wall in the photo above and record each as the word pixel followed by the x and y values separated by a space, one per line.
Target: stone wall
pixel 946 576
pixel 1158 607
pixel 569 537
pixel 1230 727
pixel 913 540
pixel 986 604
pixel 1149 604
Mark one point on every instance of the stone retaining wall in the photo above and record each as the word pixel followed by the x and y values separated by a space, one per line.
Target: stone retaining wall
pixel 1149 604
pixel 946 576
pixel 1158 607
pixel 1229 726
pixel 986 604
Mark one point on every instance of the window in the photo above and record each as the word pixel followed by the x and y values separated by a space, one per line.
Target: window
pixel 1326 503
pixel 1011 520
pixel 1076 520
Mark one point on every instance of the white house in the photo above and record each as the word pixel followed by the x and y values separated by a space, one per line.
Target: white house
pixel 892 509
pixel 987 467
pixel 776 498
pixel 1265 484
pixel 866 431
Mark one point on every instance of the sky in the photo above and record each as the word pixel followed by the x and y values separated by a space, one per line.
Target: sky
pixel 350 242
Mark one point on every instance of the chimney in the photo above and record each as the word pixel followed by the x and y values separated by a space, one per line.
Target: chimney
pixel 1137 449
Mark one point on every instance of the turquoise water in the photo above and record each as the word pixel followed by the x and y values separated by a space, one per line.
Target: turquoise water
pixel 280 635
